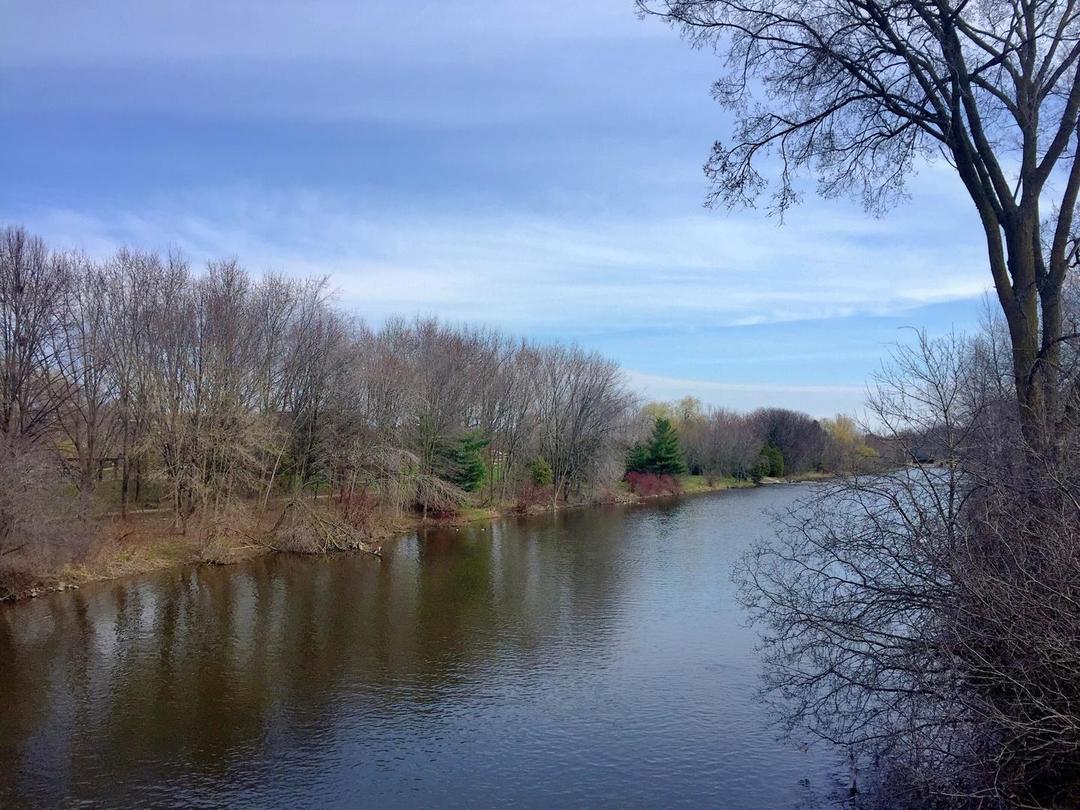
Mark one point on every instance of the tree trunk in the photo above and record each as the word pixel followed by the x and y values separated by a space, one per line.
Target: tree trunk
pixel 1022 299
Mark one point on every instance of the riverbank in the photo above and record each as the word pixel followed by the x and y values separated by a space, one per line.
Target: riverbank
pixel 146 542
pixel 272 681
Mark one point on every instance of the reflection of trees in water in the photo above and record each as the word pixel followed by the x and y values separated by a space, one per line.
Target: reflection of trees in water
pixel 197 672
pixel 545 589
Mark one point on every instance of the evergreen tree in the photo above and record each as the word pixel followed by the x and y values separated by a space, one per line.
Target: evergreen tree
pixel 461 461
pixel 665 456
pixel 637 460
pixel 772 461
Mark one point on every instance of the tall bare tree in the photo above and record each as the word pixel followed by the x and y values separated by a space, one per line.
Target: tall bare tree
pixel 33 293
pixel 88 420
pixel 131 280
pixel 583 409
pixel 858 92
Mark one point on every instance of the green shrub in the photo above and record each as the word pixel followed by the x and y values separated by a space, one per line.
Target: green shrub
pixel 541 473
pixel 771 462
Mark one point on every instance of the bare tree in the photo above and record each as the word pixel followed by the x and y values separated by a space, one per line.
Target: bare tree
pixel 859 92
pixel 40 527
pixel 170 383
pixel 799 437
pixel 88 420
pixel 583 410
pixel 926 620
pixel 731 444
pixel 319 339
pixel 33 293
pixel 131 280
pixel 514 422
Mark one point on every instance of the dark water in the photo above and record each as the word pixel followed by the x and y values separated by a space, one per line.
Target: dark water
pixel 595 658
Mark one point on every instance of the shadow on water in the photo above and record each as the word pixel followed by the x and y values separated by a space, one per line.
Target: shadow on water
pixel 595 656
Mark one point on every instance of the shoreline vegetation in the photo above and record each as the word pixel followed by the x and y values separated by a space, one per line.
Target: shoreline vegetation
pixel 143 543
pixel 153 413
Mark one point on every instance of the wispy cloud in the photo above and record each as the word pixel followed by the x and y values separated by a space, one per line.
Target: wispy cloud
pixel 523 270
pixel 818 400
pixel 531 166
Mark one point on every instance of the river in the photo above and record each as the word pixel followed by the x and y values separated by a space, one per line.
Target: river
pixel 597 657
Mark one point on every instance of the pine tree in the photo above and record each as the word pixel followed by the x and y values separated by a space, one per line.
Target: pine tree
pixel 665 456
pixel 637 460
pixel 461 462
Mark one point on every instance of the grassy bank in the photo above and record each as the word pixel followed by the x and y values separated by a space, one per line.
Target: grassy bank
pixel 698 484
pixel 146 540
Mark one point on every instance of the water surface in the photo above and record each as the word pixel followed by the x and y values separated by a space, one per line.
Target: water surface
pixel 593 658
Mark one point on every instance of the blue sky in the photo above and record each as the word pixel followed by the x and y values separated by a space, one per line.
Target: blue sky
pixel 534 167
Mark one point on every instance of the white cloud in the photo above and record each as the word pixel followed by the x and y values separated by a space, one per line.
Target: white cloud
pixel 818 400
pixel 532 166
pixel 590 270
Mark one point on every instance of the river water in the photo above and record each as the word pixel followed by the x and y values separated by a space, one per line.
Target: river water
pixel 592 658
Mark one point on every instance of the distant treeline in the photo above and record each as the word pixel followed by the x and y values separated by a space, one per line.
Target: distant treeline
pixel 138 381
pixel 765 442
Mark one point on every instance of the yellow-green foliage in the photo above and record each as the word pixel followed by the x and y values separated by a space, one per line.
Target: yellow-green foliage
pixel 848 443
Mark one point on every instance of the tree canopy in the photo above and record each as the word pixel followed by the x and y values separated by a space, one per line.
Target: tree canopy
pixel 857 94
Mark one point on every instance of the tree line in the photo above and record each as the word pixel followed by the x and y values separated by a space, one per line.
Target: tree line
pixel 767 442
pixel 141 382
pixel 202 390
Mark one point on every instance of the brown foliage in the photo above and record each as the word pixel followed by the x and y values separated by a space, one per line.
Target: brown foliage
pixel 648 485
pixel 40 523
pixel 531 497
pixel 307 527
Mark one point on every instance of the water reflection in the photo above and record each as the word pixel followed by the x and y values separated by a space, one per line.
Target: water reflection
pixel 595 656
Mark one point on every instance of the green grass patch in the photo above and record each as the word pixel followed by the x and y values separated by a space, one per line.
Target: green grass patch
pixel 692 484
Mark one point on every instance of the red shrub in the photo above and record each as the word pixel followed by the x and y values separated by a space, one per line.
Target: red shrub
pixel 442 514
pixel 530 496
pixel 648 485
pixel 358 509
